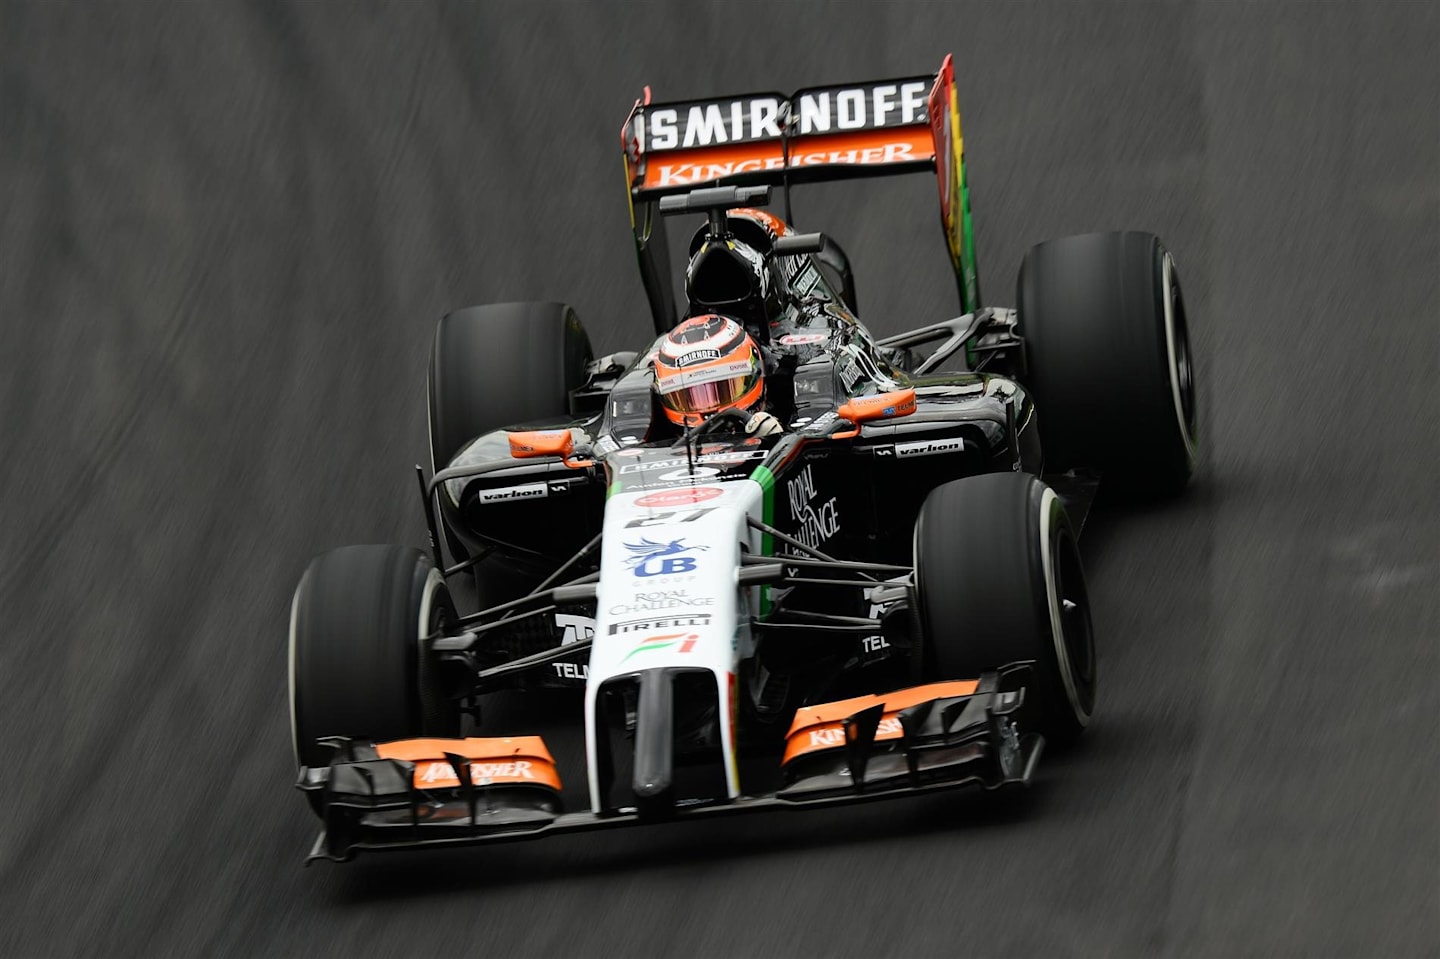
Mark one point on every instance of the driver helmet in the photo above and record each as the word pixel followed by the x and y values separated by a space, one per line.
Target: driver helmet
pixel 705 365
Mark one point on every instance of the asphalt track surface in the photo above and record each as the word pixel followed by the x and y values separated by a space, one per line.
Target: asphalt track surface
pixel 226 231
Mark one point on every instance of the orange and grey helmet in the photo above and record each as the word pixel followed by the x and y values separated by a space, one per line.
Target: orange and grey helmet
pixel 707 364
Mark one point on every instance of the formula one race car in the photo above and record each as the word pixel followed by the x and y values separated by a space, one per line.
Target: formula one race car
pixel 788 564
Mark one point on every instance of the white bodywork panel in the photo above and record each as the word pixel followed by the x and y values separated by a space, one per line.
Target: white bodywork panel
pixel 668 594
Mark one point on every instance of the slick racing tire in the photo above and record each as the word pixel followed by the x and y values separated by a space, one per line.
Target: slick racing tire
pixel 357 665
pixel 1108 358
pixel 998 580
pixel 504 364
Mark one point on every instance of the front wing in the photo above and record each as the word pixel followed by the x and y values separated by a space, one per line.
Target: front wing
pixel 445 792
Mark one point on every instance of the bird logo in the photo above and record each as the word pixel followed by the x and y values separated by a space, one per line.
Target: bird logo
pixel 649 558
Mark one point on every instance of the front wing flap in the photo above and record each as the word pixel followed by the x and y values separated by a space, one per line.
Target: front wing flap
pixel 951 732
pixel 437 792
pixel 418 791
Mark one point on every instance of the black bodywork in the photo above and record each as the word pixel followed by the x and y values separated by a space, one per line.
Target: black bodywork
pixel 838 492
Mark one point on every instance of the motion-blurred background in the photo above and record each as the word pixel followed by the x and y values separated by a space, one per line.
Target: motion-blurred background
pixel 226 232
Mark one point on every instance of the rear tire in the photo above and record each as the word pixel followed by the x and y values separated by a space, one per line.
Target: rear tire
pixel 503 364
pixel 998 579
pixel 835 267
pixel 357 665
pixel 1108 358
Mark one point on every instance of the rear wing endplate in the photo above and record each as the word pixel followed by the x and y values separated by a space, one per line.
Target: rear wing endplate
pixel 879 128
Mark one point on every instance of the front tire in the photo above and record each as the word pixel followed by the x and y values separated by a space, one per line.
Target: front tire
pixel 357 665
pixel 1108 357
pixel 999 580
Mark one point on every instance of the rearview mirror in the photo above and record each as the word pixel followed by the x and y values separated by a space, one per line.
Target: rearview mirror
pixel 531 443
pixel 883 406
pixel 799 243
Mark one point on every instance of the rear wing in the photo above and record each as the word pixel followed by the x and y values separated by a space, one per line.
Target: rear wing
pixel 884 127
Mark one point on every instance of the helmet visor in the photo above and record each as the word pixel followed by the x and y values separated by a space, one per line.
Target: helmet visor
pixel 709 389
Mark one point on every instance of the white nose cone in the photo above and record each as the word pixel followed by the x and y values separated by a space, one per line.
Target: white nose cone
pixel 668 595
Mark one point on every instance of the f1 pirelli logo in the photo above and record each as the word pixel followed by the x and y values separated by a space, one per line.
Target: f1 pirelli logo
pixel 510 494
pixel 662 622
pixel 747 119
